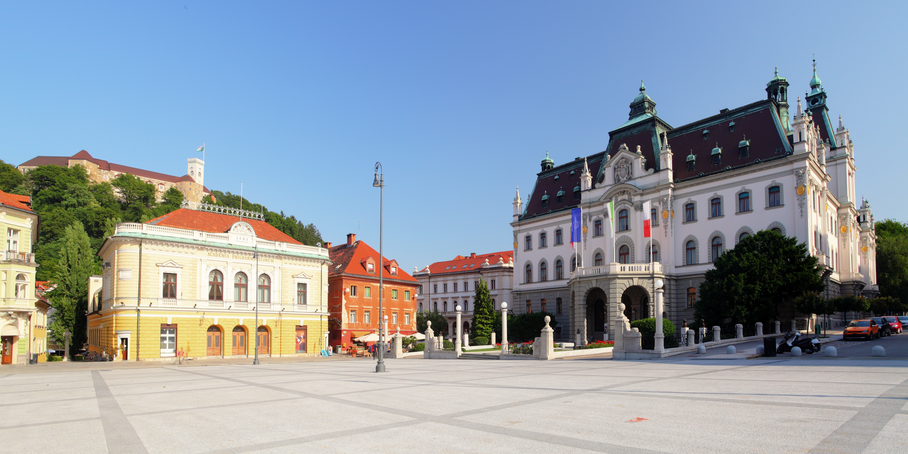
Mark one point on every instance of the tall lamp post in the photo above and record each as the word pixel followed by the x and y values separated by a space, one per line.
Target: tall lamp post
pixel 255 361
pixel 379 183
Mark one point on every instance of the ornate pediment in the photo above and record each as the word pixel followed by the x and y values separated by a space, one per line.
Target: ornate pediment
pixel 169 264
pixel 241 228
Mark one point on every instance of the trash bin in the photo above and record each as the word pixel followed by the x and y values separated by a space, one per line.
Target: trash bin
pixel 337 349
pixel 769 346
pixel 34 359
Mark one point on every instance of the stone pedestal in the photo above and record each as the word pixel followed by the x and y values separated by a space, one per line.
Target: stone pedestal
pixel 739 331
pixel 544 347
pixel 396 346
pixel 430 338
pixel 759 329
pixel 691 338
pixel 777 325
pixel 493 339
pixel 717 334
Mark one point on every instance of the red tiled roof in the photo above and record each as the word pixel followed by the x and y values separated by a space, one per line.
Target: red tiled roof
pixel 467 264
pixel 205 221
pixel 22 202
pixel 104 165
pixel 352 259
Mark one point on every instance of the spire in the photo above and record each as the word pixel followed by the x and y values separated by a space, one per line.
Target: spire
pixel 800 112
pixel 518 205
pixel 815 83
pixel 586 178
pixel 841 126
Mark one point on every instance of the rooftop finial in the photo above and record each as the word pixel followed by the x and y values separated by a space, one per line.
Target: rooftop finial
pixel 777 71
pixel 815 81
pixel 642 87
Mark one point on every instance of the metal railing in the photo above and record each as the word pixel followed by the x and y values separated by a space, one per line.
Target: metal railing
pixel 16 256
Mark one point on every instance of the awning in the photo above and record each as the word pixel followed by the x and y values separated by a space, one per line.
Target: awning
pixel 359 333
pixel 9 330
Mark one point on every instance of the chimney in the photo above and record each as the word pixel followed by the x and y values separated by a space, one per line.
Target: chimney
pixel 351 238
pixel 328 245
pixel 472 255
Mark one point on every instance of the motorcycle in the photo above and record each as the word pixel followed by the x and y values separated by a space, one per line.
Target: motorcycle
pixel 807 344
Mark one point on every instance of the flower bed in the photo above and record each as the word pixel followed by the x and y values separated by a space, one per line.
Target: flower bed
pixel 600 344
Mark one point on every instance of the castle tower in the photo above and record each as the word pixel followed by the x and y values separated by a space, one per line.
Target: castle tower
pixel 195 168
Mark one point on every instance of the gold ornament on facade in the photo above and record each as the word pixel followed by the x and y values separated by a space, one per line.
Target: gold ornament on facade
pixel 844 229
pixel 864 249
pixel 664 214
pixel 802 189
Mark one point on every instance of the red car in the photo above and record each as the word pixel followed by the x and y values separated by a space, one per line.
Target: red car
pixel 895 323
pixel 861 328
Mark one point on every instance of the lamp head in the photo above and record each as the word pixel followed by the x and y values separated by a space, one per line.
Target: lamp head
pixel 376 183
pixel 504 305
pixel 659 283
pixel 457 308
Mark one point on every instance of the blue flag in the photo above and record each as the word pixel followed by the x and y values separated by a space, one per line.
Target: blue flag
pixel 575 226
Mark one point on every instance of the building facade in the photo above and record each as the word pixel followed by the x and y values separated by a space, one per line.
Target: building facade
pixel 192 185
pixel 23 318
pixel 445 285
pixel 756 167
pixel 207 281
pixel 354 293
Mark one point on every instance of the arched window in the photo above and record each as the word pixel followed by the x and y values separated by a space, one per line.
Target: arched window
pixel 573 263
pixel 543 272
pixel 528 275
pixel 716 248
pixel 528 243
pixel 623 222
pixel 623 253
pixel 743 202
pixel 240 286
pixel 542 240
pixel 215 286
pixel 655 253
pixel 597 228
pixel 264 295
pixel 777 230
pixel 597 260
pixel 690 253
pixel 743 235
pixel 559 270
pixel 21 286
pixel 435 306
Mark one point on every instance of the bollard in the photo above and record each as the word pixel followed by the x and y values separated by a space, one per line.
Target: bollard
pixel 760 350
pixel 731 350
pixel 878 351
pixel 795 351
pixel 830 351
pixel 691 338
pixel 701 349
pixel 759 329
pixel 778 326
pixel 739 331
pixel 717 334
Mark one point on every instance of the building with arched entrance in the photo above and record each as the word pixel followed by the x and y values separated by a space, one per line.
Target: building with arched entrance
pixel 207 281
pixel 755 167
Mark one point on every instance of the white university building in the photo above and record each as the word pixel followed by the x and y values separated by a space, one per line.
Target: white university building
pixel 756 167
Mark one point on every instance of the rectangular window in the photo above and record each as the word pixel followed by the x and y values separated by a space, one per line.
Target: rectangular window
pixel 690 212
pixel 406 319
pixel 455 287
pixel 301 293
pixel 444 288
pixel 653 217
pixel 466 286
pixel 558 237
pixel 168 340
pixel 743 202
pixel 12 240
pixel 691 165
pixel 394 318
pixel 367 292
pixel 370 267
pixel 434 288
pixel 367 317
pixel 597 228
pixel 775 196
pixel 691 297
pixel 394 294
pixel 406 295
pixel 542 240
pixel 352 290
pixel 352 316
pixel 492 282
pixel 528 243
pixel 170 286
pixel 715 206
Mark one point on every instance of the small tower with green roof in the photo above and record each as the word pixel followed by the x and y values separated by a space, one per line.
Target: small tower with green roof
pixel 777 90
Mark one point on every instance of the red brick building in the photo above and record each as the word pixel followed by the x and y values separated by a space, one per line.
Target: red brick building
pixel 353 294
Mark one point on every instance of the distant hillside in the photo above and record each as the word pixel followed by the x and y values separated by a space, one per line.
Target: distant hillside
pixel 307 234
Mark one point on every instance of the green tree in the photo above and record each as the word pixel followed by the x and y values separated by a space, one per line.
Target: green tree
pixel 892 259
pixel 69 297
pixel 10 178
pixel 439 324
pixel 750 282
pixel 136 197
pixel 483 312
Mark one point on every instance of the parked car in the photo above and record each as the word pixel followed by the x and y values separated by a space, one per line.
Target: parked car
pixel 894 323
pixel 903 320
pixel 885 327
pixel 861 328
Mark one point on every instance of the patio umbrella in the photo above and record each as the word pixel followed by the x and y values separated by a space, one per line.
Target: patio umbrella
pixel 419 336
pixel 371 337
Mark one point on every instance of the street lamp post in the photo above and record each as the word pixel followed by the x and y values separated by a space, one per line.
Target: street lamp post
pixel 504 327
pixel 255 361
pixel 660 336
pixel 379 183
pixel 457 347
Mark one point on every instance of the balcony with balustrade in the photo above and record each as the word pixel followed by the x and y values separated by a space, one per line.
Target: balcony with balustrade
pixel 618 270
pixel 16 257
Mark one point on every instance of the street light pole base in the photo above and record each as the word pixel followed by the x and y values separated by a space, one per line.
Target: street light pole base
pixel 255 362
pixel 380 367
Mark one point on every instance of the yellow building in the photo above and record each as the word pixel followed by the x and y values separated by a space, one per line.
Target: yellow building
pixel 185 283
pixel 22 318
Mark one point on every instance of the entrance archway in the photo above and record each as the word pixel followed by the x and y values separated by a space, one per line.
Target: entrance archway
pixel 597 313
pixel 239 340
pixel 636 303
pixel 213 346
pixel 264 340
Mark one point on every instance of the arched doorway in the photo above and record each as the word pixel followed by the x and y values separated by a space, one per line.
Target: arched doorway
pixel 264 340
pixel 636 303
pixel 214 341
pixel 597 314
pixel 239 340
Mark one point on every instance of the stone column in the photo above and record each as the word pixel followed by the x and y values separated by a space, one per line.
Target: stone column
pixel 457 348
pixel 778 326
pixel 493 339
pixel 739 331
pixel 759 329
pixel 396 350
pixel 660 335
pixel 717 334
pixel 504 327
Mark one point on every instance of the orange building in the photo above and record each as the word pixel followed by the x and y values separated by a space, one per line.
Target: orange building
pixel 353 293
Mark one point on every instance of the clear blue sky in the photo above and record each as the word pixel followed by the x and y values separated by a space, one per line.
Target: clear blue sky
pixel 458 100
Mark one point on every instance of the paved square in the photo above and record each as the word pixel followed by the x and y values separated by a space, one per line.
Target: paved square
pixel 440 406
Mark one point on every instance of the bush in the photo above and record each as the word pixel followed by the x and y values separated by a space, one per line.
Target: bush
pixel 600 344
pixel 51 358
pixel 419 347
pixel 448 345
pixel 647 327
pixel 481 341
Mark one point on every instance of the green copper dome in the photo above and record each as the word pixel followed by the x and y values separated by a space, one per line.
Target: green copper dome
pixel 778 78
pixel 815 82
pixel 548 159
pixel 642 94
